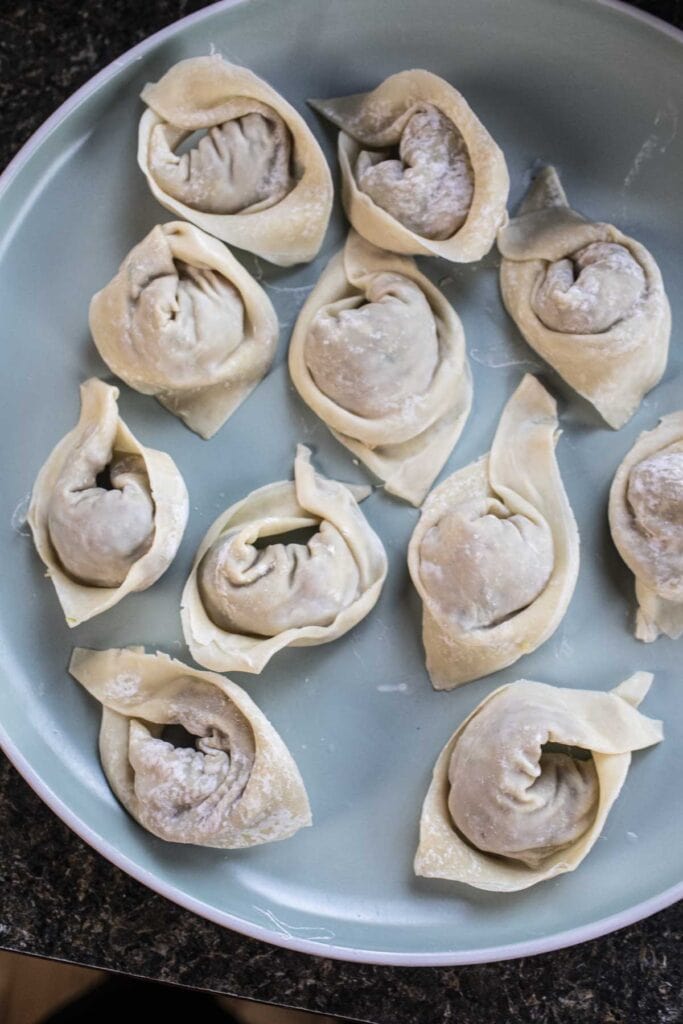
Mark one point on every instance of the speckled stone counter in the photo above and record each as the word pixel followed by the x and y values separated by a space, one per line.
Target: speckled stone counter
pixel 60 899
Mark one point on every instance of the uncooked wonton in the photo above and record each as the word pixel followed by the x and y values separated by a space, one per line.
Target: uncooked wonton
pixel 237 786
pixel 107 514
pixel 506 808
pixel 255 177
pixel 587 298
pixel 420 173
pixel 247 598
pixel 379 354
pixel 495 554
pixel 646 520
pixel 183 320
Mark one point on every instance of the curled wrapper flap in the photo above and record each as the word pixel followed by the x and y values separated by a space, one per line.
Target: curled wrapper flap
pixel 379 354
pixel 587 298
pixel 537 813
pixel 257 179
pixel 495 553
pixel 183 320
pixel 646 521
pixel 243 603
pixel 238 787
pixel 445 192
pixel 100 531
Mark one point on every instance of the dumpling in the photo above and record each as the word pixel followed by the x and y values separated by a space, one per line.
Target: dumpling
pixel 379 354
pixel 588 299
pixel 495 554
pixel 237 785
pixel 504 810
pixel 256 177
pixel 183 320
pixel 246 598
pixel 420 173
pixel 646 520
pixel 107 514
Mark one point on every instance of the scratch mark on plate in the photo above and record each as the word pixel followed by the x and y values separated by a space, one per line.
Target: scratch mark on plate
pixel 18 520
pixel 658 141
pixel 494 364
pixel 293 931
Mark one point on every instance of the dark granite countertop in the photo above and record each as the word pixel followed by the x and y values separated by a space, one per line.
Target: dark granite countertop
pixel 60 899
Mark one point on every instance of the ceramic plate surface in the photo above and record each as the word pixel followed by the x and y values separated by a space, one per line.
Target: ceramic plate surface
pixel 595 90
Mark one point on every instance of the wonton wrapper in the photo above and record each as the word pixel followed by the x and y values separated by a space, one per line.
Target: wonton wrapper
pixel 351 559
pixel 239 787
pixel 204 92
pixel 375 121
pixel 87 450
pixel 606 724
pixel 199 342
pixel 518 484
pixel 617 349
pixel 653 549
pixel 405 443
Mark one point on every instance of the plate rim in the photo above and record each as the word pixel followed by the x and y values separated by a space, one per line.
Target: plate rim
pixel 490 954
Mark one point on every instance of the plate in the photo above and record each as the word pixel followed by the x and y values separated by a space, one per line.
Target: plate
pixel 546 77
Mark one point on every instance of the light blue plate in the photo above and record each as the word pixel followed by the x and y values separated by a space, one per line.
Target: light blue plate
pixel 590 87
